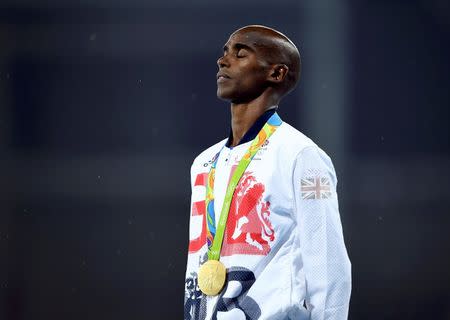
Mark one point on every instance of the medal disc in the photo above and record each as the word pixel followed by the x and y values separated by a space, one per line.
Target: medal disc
pixel 211 277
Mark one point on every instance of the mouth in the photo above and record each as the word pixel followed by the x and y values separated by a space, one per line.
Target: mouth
pixel 221 76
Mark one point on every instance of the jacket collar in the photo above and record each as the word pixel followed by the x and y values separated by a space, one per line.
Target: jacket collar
pixel 254 129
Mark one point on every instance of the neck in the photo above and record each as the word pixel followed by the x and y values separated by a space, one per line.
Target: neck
pixel 244 115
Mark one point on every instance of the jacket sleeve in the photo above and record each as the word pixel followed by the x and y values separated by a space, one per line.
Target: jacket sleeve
pixel 326 264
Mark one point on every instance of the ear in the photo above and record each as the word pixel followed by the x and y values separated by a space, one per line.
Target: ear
pixel 278 72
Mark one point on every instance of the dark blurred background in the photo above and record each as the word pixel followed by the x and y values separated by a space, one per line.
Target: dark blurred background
pixel 104 105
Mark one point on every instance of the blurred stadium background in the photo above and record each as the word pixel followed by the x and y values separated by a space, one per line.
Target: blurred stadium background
pixel 104 105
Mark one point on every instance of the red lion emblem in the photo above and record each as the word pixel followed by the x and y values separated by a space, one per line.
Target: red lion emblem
pixel 249 230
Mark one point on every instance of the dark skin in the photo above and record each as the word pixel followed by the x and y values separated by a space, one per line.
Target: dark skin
pixel 258 67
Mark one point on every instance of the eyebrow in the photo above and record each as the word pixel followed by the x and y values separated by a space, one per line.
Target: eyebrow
pixel 238 46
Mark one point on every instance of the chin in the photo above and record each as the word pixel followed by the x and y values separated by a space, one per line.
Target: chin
pixel 223 95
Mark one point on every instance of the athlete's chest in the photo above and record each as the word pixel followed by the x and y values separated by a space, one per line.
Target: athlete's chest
pixel 261 206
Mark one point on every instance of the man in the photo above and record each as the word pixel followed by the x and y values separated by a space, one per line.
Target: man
pixel 265 233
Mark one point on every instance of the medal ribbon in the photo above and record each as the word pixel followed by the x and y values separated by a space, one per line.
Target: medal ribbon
pixel 214 236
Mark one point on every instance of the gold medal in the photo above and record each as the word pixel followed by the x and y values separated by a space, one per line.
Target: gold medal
pixel 211 277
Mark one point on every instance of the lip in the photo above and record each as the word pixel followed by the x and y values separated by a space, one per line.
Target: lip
pixel 222 76
pixel 222 79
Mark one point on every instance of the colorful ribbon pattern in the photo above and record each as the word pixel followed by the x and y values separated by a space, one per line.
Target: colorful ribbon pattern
pixel 214 236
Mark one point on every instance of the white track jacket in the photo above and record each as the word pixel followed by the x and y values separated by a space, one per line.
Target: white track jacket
pixel 283 245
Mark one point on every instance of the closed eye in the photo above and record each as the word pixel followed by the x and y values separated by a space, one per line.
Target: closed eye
pixel 241 53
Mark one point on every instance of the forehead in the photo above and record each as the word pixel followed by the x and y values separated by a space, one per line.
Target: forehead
pixel 252 39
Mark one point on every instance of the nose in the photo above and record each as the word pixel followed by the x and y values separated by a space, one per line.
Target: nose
pixel 222 61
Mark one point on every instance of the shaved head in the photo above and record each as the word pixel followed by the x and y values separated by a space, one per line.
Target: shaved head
pixel 276 48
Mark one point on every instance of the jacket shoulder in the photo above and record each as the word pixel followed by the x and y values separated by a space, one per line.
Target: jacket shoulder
pixel 294 140
pixel 206 155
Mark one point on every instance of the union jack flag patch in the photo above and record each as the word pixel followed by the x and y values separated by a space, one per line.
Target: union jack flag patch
pixel 315 188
